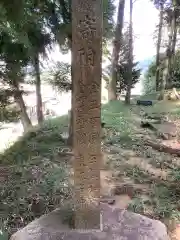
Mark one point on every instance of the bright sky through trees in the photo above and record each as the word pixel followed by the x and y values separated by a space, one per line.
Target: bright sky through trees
pixel 145 18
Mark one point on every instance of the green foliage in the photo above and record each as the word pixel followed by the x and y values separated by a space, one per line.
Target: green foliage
pixel 60 77
pixel 31 30
pixel 137 174
pixel 58 17
pixel 123 67
pixel 176 70
pixel 14 57
pixel 8 112
pixel 123 76
pixel 175 174
pixel 12 51
pixel 6 97
pixel 108 23
pixel 14 23
pixel 149 81
pixel 149 78
pixel 38 38
pixel 137 205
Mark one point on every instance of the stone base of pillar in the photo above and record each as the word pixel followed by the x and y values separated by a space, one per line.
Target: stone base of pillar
pixel 115 224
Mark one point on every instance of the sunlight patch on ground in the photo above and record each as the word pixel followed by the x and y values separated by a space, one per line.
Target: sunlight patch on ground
pixel 9 135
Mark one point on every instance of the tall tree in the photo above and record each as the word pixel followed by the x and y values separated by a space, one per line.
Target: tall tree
pixel 166 77
pixel 123 67
pixel 169 13
pixel 161 11
pixel 86 66
pixel 130 58
pixel 175 25
pixel 39 109
pixel 25 120
pixel 149 77
pixel 39 40
pixel 163 82
pixel 112 93
pixel 171 21
pixel 173 17
pixel 16 25
pixel 15 57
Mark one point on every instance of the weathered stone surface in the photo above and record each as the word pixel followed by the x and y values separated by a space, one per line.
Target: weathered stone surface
pixel 116 224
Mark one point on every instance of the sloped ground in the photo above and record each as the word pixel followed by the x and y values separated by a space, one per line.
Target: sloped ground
pixel 34 176
pixel 149 177
pixel 34 173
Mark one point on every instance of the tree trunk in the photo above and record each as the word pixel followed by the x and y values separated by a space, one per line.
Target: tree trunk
pixel 87 58
pixel 38 90
pixel 26 122
pixel 130 57
pixel 14 75
pixel 112 92
pixel 169 54
pixel 159 45
pixel 164 79
pixel 174 40
pixel 70 137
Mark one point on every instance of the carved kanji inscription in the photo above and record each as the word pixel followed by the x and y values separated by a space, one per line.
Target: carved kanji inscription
pixel 82 57
pixel 81 136
pixel 87 27
pixel 90 57
pixel 86 52
pixel 86 58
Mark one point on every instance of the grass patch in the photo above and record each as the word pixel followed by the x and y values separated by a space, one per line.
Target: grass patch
pixel 116 117
pixel 137 205
pixel 160 203
pixel 162 200
pixel 42 141
pixel 151 96
pixel 163 107
pixel 137 174
pixel 38 178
